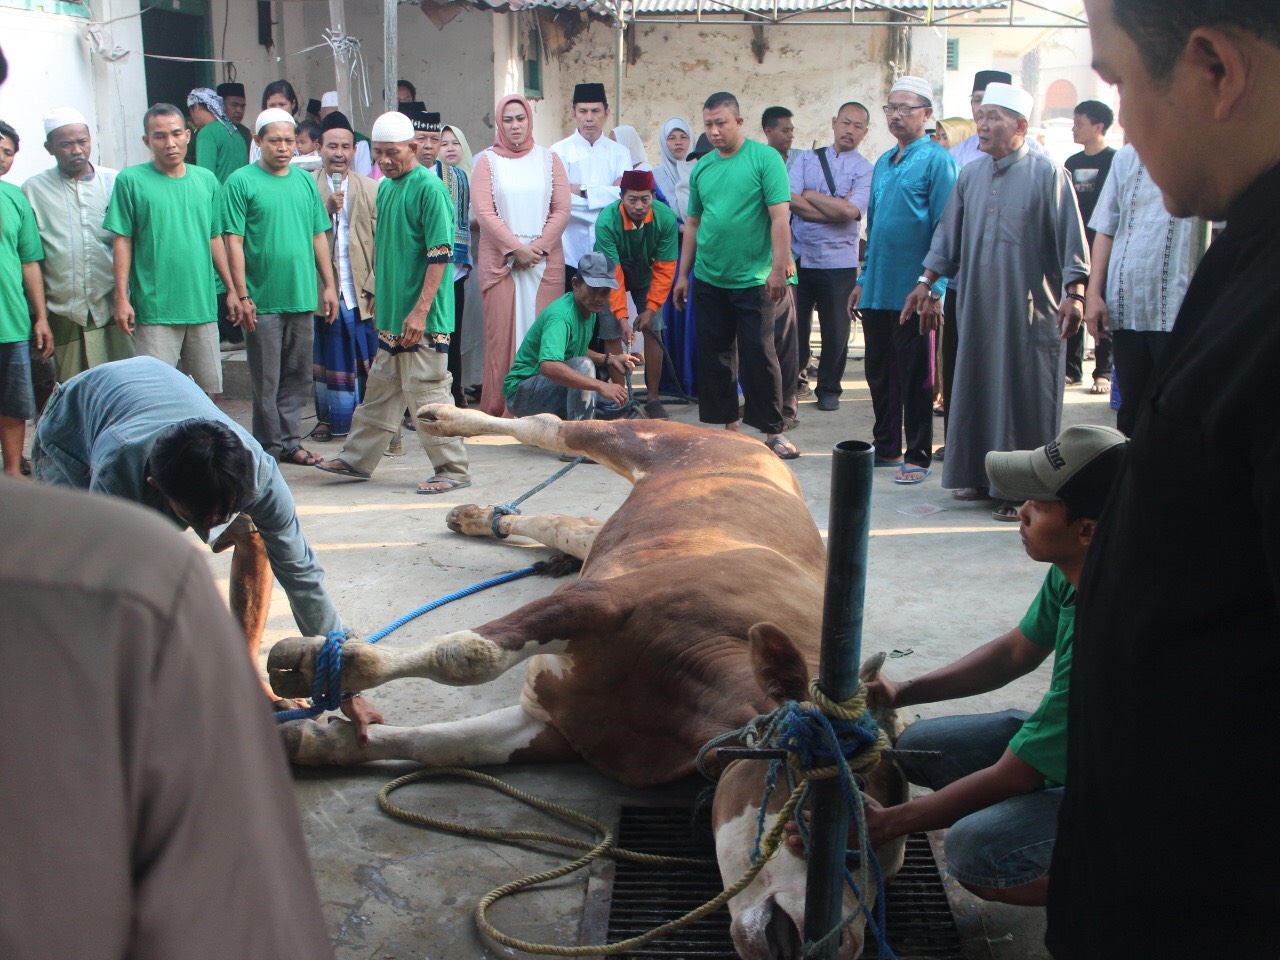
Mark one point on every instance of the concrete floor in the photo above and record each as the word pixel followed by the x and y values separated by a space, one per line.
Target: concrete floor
pixel 939 585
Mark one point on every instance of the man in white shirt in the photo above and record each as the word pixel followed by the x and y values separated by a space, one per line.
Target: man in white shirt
pixel 595 165
pixel 70 201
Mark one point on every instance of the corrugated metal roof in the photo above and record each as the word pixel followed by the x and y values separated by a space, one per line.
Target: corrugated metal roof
pixel 801 6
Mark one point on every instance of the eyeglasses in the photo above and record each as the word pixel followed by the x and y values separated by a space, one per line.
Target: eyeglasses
pixel 901 109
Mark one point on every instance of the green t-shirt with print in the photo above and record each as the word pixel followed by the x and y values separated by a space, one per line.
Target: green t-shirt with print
pixel 561 332
pixel 277 216
pixel 170 221
pixel 652 242
pixel 221 149
pixel 415 228
pixel 732 196
pixel 19 244
pixel 1050 622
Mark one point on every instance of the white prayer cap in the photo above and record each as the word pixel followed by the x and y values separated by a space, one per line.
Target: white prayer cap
pixel 62 117
pixel 917 85
pixel 272 115
pixel 329 99
pixel 1010 97
pixel 393 127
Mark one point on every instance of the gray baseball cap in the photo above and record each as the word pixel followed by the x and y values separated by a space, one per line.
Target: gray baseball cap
pixel 597 270
pixel 1079 468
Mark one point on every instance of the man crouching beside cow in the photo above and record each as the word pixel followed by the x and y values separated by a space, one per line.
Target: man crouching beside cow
pixel 999 783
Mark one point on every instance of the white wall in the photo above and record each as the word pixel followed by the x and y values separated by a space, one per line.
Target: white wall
pixel 50 65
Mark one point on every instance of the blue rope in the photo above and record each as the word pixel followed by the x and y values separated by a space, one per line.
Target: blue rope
pixel 812 740
pixel 326 686
pixel 510 507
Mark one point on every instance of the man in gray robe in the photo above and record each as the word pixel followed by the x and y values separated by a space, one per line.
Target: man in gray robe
pixel 1012 233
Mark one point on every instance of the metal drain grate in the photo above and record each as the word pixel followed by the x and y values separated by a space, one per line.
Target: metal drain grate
pixel 919 917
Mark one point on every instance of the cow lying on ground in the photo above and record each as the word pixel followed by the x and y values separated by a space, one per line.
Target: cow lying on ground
pixel 666 641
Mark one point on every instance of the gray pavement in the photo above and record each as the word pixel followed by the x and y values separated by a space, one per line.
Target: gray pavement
pixel 938 586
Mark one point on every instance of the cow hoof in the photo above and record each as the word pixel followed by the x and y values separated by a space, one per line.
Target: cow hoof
pixel 291 665
pixel 311 744
pixel 471 519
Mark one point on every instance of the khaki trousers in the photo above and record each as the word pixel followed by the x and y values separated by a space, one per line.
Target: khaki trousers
pixel 399 381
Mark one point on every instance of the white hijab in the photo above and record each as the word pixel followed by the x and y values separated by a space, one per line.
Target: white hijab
pixel 672 174
pixel 629 138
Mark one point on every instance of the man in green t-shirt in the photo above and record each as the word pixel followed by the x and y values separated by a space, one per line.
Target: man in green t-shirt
pixel 167 253
pixel 738 237
pixel 219 147
pixel 413 311
pixel 553 371
pixel 275 227
pixel 641 238
pixel 999 781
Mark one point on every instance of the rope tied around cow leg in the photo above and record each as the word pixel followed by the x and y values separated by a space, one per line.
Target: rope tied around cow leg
pixel 326 685
pixel 511 507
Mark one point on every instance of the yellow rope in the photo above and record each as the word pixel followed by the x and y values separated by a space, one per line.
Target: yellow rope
pixel 769 846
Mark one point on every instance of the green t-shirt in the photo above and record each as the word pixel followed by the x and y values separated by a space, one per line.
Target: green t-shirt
pixel 19 244
pixel 415 228
pixel 1050 622
pixel 732 195
pixel 651 242
pixel 561 332
pixel 277 217
pixel 170 220
pixel 221 149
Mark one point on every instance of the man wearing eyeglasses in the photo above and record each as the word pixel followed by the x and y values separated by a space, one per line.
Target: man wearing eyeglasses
pixel 909 191
pixel 829 191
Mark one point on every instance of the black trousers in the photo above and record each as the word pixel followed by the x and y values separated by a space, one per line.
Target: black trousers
pixel 899 368
pixel 737 326
pixel 786 345
pixel 827 291
pixel 1136 355
pixel 1075 357
pixel 950 344
pixel 455 342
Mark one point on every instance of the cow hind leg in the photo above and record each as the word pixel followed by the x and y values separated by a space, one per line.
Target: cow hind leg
pixel 621 445
pixel 508 735
pixel 571 535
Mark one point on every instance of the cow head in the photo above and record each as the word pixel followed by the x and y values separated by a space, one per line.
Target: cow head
pixel 768 916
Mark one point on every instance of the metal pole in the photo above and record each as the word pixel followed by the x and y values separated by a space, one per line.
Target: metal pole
pixel 391 53
pixel 621 29
pixel 341 65
pixel 848 530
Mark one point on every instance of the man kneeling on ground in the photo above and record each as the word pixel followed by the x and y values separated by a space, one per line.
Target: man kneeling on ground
pixel 553 371
pixel 999 782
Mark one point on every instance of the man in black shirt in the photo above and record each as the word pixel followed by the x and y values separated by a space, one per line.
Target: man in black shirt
pixel 1089 170
pixel 1168 844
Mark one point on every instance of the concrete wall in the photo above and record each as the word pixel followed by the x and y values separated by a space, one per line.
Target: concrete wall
pixel 809 69
pixel 51 65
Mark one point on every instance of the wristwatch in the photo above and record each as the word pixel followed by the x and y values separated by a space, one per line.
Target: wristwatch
pixel 933 294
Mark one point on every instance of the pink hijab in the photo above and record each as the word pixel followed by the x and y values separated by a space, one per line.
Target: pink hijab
pixel 502 146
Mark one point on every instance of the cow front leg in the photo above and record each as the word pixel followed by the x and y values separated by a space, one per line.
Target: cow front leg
pixel 463 658
pixel 571 535
pixel 508 735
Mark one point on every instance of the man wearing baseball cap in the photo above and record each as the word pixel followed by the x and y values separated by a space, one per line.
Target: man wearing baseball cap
pixel 999 782
pixel 554 371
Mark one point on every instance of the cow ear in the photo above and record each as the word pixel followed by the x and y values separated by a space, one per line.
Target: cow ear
pixel 780 670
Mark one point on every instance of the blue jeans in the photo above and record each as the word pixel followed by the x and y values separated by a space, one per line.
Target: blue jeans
pixel 539 394
pixel 1010 843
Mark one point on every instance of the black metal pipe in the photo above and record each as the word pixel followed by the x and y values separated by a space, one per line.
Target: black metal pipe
pixel 848 531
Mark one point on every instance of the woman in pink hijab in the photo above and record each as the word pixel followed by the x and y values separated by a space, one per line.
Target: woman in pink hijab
pixel 520 196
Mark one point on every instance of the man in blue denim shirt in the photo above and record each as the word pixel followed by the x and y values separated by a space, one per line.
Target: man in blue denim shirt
pixel 140 430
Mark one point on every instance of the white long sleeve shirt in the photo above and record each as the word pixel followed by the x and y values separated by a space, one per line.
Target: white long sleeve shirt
pixel 597 167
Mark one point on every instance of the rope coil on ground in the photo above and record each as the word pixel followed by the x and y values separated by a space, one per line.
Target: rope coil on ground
pixel 785 727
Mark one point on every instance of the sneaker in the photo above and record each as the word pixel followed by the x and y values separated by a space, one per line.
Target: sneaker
pixel 654 410
pixel 804 391
pixel 827 403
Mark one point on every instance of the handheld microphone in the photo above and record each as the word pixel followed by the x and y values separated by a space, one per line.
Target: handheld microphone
pixel 335 186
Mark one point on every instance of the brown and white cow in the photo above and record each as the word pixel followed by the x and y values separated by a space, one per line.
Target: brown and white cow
pixel 666 640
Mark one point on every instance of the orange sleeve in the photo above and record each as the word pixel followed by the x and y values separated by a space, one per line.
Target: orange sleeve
pixel 664 276
pixel 618 298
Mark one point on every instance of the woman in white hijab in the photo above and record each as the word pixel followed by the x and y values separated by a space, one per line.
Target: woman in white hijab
pixel 672 176
pixel 674 171
pixel 629 138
